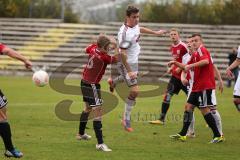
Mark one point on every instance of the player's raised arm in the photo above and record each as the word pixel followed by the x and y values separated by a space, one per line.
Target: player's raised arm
pixel 149 31
pixel 14 54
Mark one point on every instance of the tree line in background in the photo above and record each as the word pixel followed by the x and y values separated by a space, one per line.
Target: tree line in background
pixel 37 9
pixel 174 11
pixel 199 12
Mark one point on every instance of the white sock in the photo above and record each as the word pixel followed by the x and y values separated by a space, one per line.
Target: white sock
pixel 128 108
pixel 218 120
pixel 191 127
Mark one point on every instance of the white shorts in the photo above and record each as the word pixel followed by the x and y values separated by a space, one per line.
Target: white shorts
pixel 236 91
pixel 123 72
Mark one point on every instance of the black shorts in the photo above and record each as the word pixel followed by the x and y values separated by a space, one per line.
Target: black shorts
pixel 206 98
pixel 3 100
pixel 175 85
pixel 91 94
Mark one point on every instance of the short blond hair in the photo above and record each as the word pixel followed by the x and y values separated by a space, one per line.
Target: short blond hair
pixel 103 41
pixel 174 30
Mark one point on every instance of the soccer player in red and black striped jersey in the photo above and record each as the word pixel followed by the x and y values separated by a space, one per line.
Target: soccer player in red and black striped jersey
pixel 202 93
pixel 97 62
pixel 5 130
pixel 178 50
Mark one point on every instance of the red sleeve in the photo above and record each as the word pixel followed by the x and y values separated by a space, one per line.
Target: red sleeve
pixel 203 53
pixel 110 59
pixel 1 48
pixel 89 48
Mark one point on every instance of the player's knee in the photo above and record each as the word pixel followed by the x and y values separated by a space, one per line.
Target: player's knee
pixel 133 94
pixel 205 110
pixel 87 109
pixel 236 101
pixel 3 117
pixel 189 107
pixel 167 97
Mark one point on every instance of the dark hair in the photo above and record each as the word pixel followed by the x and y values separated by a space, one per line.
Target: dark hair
pixel 131 9
pixel 197 34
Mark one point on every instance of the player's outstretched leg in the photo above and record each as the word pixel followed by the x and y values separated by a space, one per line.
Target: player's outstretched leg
pixel 130 102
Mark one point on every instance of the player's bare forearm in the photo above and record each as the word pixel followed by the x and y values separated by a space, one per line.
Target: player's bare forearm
pixel 234 64
pixel 149 31
pixel 116 55
pixel 183 75
pixel 123 55
pixel 200 63
pixel 217 73
pixel 180 65
pixel 13 54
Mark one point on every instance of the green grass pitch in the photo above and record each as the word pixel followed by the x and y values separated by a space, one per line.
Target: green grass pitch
pixel 40 135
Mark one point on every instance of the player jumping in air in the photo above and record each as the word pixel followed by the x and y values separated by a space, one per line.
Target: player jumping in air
pixel 128 68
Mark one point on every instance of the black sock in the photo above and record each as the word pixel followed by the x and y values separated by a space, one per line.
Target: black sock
pixel 187 119
pixel 165 107
pixel 97 125
pixel 83 122
pixel 237 106
pixel 212 124
pixel 5 132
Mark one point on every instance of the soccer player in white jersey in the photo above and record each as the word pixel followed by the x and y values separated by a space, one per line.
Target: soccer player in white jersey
pixel 128 67
pixel 236 92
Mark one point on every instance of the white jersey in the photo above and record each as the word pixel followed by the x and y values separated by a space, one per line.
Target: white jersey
pixel 236 91
pixel 185 59
pixel 238 54
pixel 130 34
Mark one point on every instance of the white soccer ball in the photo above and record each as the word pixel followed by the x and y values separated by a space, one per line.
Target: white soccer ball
pixel 40 78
